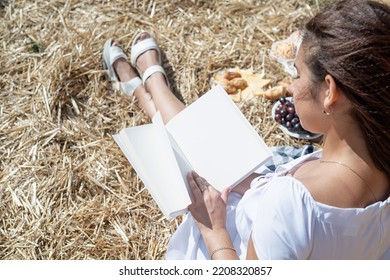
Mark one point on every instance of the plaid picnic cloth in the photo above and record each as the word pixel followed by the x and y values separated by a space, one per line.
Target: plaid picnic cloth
pixel 283 155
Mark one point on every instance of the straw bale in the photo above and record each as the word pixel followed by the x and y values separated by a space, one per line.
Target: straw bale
pixel 66 190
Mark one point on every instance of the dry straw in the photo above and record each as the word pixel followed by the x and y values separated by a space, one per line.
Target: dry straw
pixel 66 190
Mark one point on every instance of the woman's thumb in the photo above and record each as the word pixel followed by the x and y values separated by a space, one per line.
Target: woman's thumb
pixel 225 195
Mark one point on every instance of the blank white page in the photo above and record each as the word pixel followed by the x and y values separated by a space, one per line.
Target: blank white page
pixel 217 140
pixel 149 151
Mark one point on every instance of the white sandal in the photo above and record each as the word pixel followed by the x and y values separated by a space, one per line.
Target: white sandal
pixel 140 47
pixel 110 55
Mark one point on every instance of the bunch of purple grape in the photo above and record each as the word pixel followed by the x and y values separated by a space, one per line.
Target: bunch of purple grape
pixel 285 115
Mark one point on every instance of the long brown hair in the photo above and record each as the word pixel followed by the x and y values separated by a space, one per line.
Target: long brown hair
pixel 350 40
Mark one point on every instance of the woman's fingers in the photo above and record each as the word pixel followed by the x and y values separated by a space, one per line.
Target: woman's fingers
pixel 199 186
pixel 225 195
pixel 201 183
pixel 195 191
pixel 208 205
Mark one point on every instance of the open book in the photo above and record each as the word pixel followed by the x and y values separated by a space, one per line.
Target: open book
pixel 210 136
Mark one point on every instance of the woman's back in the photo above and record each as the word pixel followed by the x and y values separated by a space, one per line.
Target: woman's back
pixel 288 223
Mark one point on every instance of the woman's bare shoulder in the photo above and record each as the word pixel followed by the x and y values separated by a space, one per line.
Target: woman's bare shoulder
pixel 333 186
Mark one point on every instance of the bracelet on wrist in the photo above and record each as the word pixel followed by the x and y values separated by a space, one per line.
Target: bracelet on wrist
pixel 220 249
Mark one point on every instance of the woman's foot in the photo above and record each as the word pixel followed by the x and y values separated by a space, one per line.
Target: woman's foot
pixel 145 56
pixel 126 72
pixel 122 68
pixel 149 59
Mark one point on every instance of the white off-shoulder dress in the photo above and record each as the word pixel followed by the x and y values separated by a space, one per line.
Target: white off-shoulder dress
pixel 285 222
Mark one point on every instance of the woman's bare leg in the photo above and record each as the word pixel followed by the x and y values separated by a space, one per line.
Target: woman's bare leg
pixel 163 98
pixel 125 72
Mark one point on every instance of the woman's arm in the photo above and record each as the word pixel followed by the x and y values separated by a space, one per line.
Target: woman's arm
pixel 244 185
pixel 209 211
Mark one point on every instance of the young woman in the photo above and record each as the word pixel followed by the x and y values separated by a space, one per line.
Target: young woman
pixel 330 204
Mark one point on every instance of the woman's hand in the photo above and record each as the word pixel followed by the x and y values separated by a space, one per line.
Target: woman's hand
pixel 208 205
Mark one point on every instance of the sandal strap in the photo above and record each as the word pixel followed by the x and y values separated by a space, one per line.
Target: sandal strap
pixel 110 55
pixel 115 54
pixel 129 87
pixel 143 46
pixel 151 70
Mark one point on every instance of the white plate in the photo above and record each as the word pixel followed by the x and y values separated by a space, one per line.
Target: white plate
pixel 302 135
